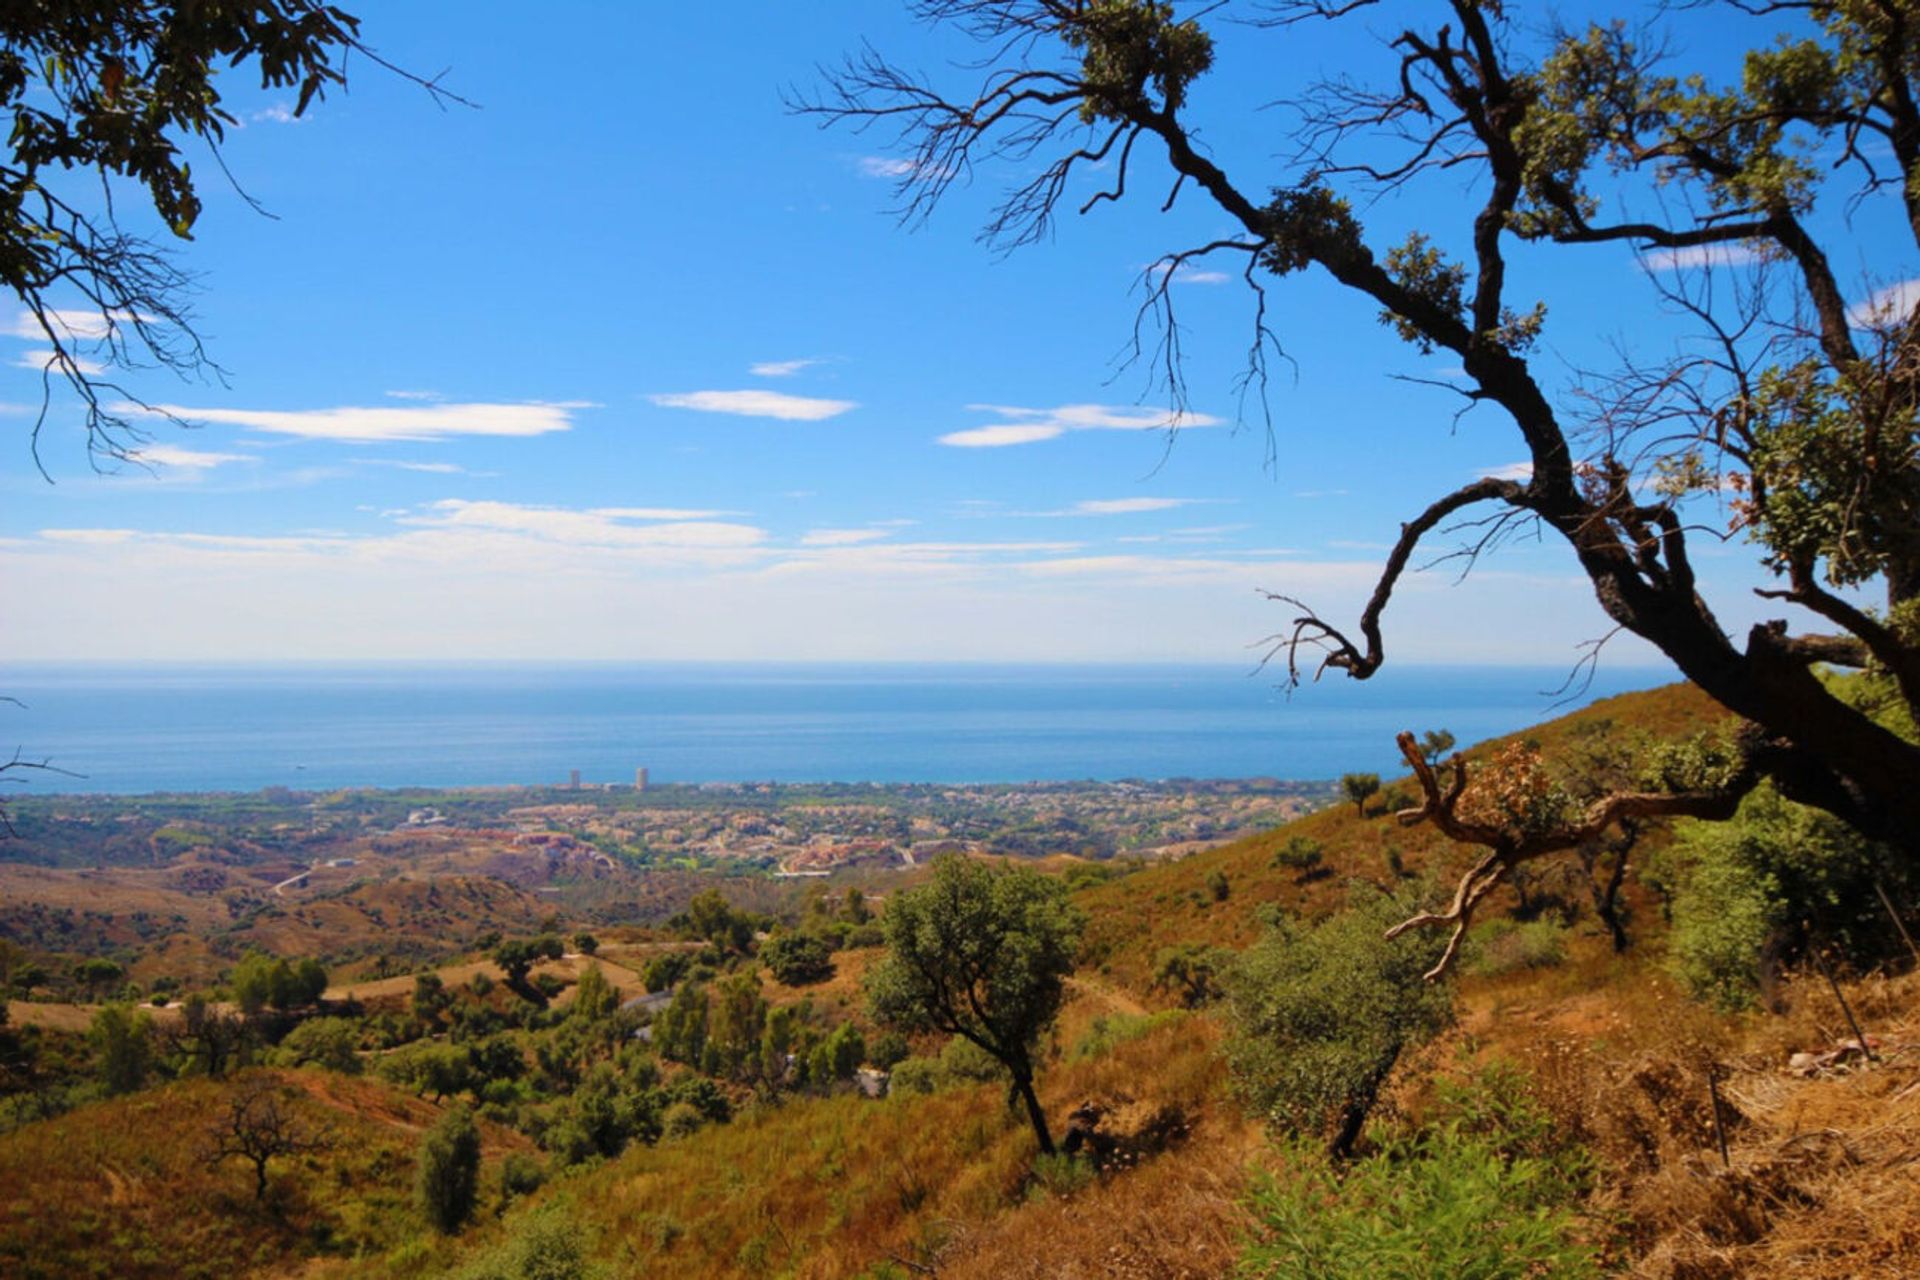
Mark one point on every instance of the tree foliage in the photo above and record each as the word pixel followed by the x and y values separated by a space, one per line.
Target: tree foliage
pixel 983 954
pixel 1801 406
pixel 1321 1015
pixel 447 1175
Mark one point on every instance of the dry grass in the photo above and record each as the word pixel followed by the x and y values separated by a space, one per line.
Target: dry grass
pixel 122 1188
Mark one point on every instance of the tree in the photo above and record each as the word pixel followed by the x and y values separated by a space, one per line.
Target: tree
pixel 122 1042
pixel 798 959
pixel 1192 971
pixel 517 956
pixel 1360 788
pixel 259 1126
pixel 585 943
pixel 97 974
pixel 1320 1017
pixel 1435 743
pixel 333 1043
pixel 100 95
pixel 206 1040
pixel 1799 406
pixel 982 954
pixel 447 1176
pixel 594 998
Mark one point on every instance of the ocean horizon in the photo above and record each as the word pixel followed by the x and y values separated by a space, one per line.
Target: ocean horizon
pixel 131 729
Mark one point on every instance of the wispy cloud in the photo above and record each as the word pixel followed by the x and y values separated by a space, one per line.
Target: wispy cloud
pixel 167 455
pixel 843 537
pixel 1507 471
pixel 1127 506
pixel 781 368
pixel 375 424
pixel 47 358
pixel 1186 274
pixel 1656 261
pixel 1028 426
pixel 1884 306
pixel 278 113
pixel 756 404
pixel 883 166
pixel 605 527
pixel 433 396
pixel 80 325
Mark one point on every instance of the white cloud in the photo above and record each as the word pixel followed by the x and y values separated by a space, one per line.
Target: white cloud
pixel 1507 471
pixel 416 395
pixel 278 113
pixel 47 358
pixel 83 326
pixel 607 527
pixel 1885 306
pixel 167 455
pixel 756 404
pixel 1027 426
pixel 374 424
pixel 780 368
pixel 883 166
pixel 1127 506
pixel 842 537
pixel 997 436
pixel 660 513
pixel 1696 256
pixel 1186 274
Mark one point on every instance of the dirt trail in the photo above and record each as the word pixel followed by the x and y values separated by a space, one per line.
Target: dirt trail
pixel 1114 998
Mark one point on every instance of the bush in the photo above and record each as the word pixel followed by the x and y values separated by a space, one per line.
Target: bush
pixel 1299 855
pixel 1507 946
pixel 1320 1016
pixel 1441 1205
pixel 1111 1030
pixel 960 1062
pixel 447 1178
pixel 545 1246
pixel 798 959
pixel 1742 891
pixel 680 1120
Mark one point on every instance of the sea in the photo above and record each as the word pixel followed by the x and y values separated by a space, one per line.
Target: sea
pixel 176 728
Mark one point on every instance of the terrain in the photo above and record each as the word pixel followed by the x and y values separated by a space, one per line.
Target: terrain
pixel 1607 1076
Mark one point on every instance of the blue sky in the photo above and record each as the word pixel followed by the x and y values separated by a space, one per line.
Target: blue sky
pixel 630 363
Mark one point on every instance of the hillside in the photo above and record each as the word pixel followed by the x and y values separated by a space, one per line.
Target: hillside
pixel 1590 1070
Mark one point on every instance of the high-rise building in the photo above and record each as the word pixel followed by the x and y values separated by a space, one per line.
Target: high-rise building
pixel 573 779
pixel 640 779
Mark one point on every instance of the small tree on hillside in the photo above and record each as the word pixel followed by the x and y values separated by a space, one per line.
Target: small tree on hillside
pixel 517 956
pixel 798 959
pixel 1435 743
pixel 982 954
pixel 447 1178
pixel 122 1042
pixel 1321 1015
pixel 1360 788
pixel 259 1126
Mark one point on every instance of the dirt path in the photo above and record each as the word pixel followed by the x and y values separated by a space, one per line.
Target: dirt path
pixel 1105 993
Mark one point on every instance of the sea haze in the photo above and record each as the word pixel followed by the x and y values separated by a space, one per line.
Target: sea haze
pixel 239 728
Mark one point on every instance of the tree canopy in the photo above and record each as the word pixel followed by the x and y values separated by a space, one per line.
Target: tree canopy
pixel 1791 405
pixel 982 954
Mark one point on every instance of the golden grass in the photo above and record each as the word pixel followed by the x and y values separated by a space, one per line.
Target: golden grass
pixel 121 1189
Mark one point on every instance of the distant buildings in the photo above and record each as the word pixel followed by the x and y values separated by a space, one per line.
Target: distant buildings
pixel 573 779
pixel 640 779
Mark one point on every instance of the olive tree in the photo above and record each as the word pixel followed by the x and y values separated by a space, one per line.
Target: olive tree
pixel 1504 132
pixel 982 954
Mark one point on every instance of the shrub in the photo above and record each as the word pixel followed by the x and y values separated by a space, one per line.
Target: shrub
pixel 447 1178
pixel 1299 855
pixel 798 959
pixel 1114 1029
pixel 1441 1205
pixel 544 1246
pixel 1320 1016
pixel 1744 889
pixel 680 1120
pixel 1507 946
pixel 1217 885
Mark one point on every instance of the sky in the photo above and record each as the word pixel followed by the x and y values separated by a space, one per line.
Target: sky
pixel 628 362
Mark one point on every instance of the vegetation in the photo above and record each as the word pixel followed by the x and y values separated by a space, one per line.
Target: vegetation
pixel 1322 1015
pixel 982 954
pixel 447 1177
pixel 1360 788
